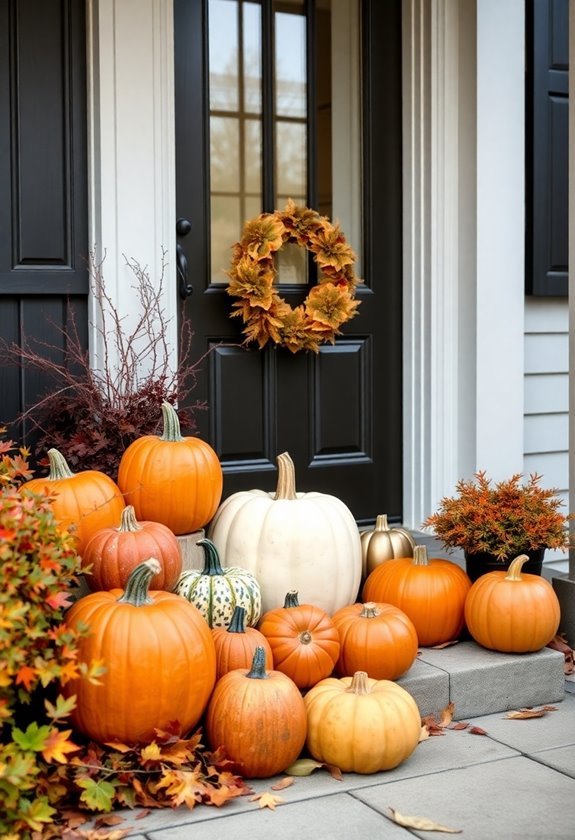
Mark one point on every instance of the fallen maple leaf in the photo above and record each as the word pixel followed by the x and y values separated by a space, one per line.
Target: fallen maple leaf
pixel 267 800
pixel 445 644
pixel 287 781
pixel 477 730
pixel 57 745
pixel 421 822
pixel 303 767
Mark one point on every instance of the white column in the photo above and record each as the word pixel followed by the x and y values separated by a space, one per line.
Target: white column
pixel 439 250
pixel 131 150
pixel 500 235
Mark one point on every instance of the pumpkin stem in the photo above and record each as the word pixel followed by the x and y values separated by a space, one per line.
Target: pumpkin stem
pixel 420 557
pixel 238 620
pixel 212 565
pixel 359 683
pixel 171 420
pixel 258 669
pixel 291 599
pixel 381 522
pixel 129 521
pixel 514 570
pixel 369 610
pixel 137 588
pixel 58 466
pixel 286 478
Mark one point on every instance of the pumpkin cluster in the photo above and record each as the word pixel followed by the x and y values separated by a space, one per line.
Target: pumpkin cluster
pixel 294 633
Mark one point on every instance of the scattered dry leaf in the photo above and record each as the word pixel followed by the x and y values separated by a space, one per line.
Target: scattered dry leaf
pixel 524 714
pixel 560 643
pixel 108 819
pixel 424 734
pixel 477 730
pixel 459 725
pixel 267 800
pixel 334 772
pixel 550 709
pixel 422 823
pixel 444 644
pixel 447 715
pixel 303 767
pixel 142 814
pixel 283 783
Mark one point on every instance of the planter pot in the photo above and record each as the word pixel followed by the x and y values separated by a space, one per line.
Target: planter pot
pixel 483 562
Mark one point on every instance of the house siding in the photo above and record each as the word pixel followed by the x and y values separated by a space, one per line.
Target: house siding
pixel 546 405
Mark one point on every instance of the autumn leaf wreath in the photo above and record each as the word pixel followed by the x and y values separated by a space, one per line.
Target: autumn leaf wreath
pixel 267 316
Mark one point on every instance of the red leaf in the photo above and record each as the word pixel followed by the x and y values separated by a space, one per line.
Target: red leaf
pixel 477 730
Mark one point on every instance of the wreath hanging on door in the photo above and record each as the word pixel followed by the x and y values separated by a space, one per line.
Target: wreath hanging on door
pixel 267 316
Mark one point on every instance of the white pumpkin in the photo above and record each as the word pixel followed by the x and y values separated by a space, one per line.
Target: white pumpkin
pixel 309 542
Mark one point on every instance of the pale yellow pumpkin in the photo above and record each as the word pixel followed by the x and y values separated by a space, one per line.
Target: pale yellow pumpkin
pixel 361 725
pixel 309 542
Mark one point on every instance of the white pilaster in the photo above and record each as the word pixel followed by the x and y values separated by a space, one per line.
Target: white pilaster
pixel 131 150
pixel 500 235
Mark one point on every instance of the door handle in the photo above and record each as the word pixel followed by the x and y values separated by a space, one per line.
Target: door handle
pixel 183 227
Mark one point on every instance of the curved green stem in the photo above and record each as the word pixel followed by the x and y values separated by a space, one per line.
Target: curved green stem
pixel 212 564
pixel 138 585
pixel 172 431
pixel 238 620
pixel 258 669
pixel 58 466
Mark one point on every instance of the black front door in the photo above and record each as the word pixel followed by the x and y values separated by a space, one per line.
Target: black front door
pixel 254 106
pixel 43 196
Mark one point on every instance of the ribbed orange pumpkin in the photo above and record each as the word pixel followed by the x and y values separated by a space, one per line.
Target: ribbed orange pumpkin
pixel 160 660
pixel 83 502
pixel 512 612
pixel 236 644
pixel 431 592
pixel 259 718
pixel 172 479
pixel 114 552
pixel 304 640
pixel 377 638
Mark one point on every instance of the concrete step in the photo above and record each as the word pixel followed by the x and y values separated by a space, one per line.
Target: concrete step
pixel 481 682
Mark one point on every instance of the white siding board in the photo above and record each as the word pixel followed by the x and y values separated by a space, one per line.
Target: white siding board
pixel 546 433
pixel 546 393
pixel 552 466
pixel 547 353
pixel 543 315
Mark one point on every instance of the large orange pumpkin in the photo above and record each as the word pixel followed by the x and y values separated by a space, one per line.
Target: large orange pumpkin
pixel 431 592
pixel 304 640
pixel 236 644
pixel 258 717
pixel 82 502
pixel 377 638
pixel 172 479
pixel 160 659
pixel 512 612
pixel 112 553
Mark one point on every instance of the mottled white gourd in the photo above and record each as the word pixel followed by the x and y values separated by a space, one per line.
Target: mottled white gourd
pixel 309 542
pixel 217 590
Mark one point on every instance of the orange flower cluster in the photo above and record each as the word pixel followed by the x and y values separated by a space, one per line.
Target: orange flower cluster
pixel 267 316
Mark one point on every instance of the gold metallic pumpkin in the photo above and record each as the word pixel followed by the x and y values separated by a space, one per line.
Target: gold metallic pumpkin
pixel 384 543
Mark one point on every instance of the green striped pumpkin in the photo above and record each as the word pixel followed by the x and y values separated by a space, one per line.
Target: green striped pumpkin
pixel 216 591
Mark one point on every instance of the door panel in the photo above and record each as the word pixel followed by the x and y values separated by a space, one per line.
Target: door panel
pixel 43 196
pixel 338 412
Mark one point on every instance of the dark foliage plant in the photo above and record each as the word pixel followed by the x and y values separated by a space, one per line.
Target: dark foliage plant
pixel 91 415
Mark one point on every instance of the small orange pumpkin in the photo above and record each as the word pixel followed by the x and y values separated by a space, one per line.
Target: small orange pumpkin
pixel 259 718
pixel 113 553
pixel 159 656
pixel 431 592
pixel 377 638
pixel 304 640
pixel 172 479
pixel 236 644
pixel 512 612
pixel 82 502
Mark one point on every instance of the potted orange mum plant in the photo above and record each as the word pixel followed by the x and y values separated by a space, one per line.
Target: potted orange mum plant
pixel 493 522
